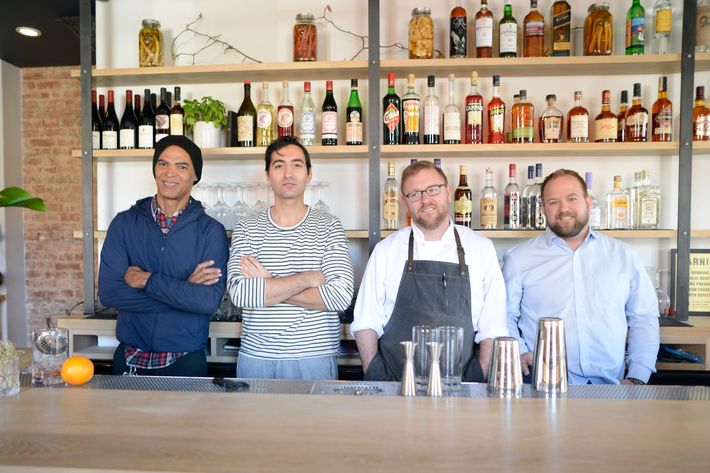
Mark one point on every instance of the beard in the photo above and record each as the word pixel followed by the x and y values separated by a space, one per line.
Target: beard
pixel 559 229
pixel 430 221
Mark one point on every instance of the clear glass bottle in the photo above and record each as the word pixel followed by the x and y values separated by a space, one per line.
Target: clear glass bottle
pixel 522 118
pixel 473 131
pixel 595 213
pixel 701 116
pixel 663 26
pixel 410 113
pixel 702 26
pixel 635 28
pixel 605 123
pixel 525 198
pixel 633 200
pixel 578 121
pixel 452 117
pixel 511 201
pixel 617 207
pixel 537 210
pixel 508 31
pixel 649 203
pixel 308 117
pixel 390 209
pixel 550 126
pixel 489 203
pixel 265 119
pixel 431 112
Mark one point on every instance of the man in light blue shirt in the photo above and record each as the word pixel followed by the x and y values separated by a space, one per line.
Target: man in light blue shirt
pixel 595 283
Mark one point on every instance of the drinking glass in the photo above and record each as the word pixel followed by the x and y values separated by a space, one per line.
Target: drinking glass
pixel 240 209
pixel 321 206
pixel 451 339
pixel 201 192
pixel 49 351
pixel 220 210
pixel 664 302
pixel 421 335
pixel 260 203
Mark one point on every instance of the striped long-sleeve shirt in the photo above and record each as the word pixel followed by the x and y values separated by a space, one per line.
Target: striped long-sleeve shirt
pixel 286 331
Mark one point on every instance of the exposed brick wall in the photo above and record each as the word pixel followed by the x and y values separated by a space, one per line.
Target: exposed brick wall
pixel 51 128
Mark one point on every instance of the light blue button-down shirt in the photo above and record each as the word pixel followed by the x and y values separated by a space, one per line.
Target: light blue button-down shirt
pixel 601 291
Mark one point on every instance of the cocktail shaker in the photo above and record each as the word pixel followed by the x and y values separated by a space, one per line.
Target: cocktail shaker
pixel 550 360
pixel 504 375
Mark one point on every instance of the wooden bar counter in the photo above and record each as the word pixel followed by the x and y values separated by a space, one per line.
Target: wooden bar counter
pixel 46 429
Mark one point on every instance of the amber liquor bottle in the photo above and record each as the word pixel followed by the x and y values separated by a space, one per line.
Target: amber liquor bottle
pixel 605 123
pixel 636 118
pixel 550 125
pixel 484 31
pixel 561 22
pixel 473 133
pixel 578 121
pixel 621 117
pixel 662 114
pixel 496 115
pixel 534 32
pixel 701 116
pixel 463 206
pixel 522 118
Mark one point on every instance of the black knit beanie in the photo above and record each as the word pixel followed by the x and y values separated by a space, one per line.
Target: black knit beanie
pixel 182 142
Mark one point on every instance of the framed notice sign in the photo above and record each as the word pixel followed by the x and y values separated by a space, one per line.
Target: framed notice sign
pixel 699 283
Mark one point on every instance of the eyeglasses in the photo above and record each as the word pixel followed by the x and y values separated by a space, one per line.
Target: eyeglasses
pixel 431 191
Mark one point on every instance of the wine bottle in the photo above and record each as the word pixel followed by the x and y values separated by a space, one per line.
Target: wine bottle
pixel 284 114
pixel 246 119
pixel 102 107
pixel 391 116
pixel 129 124
pixel 146 124
pixel 97 123
pixel 177 115
pixel 329 117
pixel 353 117
pixel 162 116
pixel 265 119
pixel 109 135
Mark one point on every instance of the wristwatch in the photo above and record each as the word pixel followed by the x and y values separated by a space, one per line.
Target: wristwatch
pixel 635 381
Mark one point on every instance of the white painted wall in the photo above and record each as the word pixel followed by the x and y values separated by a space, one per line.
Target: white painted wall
pixel 263 29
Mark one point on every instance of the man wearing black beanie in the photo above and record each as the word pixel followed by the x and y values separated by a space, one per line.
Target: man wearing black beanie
pixel 162 267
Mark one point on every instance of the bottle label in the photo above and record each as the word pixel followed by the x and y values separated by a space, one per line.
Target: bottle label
pixel 457 41
pixel 637 119
pixel 391 117
pixel 285 117
pixel 497 119
pixel 535 28
pixel 452 126
pixel 95 140
pixel 176 127
pixel 605 129
pixel 245 128
pixel 474 113
pixel 523 133
pixel 390 210
pixel 702 26
pixel 509 38
pixel 432 122
pixel 579 127
pixel 110 139
pixel 595 217
pixel 635 28
pixel 511 209
pixel 484 32
pixel 308 123
pixel 162 122
pixel 329 125
pixel 463 206
pixel 664 21
pixel 620 208
pixel 648 211
pixel 160 136
pixel 353 128
pixel 553 128
pixel 263 118
pixel 489 212
pixel 561 20
pixel 702 126
pixel 411 115
pixel 145 136
pixel 127 138
pixel 540 220
pixel 663 123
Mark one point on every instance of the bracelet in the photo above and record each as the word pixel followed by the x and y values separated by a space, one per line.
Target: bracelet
pixel 636 381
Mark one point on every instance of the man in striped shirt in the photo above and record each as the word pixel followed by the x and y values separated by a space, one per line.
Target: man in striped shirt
pixel 290 270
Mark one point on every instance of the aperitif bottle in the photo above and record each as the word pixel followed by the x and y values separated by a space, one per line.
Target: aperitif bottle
pixel 496 115
pixel 391 116
pixel 473 133
pixel 410 113
pixel 662 114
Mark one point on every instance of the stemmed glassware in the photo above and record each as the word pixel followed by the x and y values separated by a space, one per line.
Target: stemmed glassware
pixel 240 209
pixel 220 210
pixel 321 206
pixel 664 301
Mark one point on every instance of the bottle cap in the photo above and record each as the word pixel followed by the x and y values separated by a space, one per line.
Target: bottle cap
pixel 307 86
pixel 430 81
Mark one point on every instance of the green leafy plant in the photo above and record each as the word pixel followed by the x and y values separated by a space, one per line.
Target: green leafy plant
pixel 205 110
pixel 17 197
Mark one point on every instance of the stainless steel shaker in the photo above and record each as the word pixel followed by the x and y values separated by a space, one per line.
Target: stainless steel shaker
pixel 550 360
pixel 504 375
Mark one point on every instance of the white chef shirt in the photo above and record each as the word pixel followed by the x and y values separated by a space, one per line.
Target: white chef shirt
pixel 380 283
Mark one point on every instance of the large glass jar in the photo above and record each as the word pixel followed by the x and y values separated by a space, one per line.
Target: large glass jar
pixel 598 31
pixel 305 38
pixel 421 34
pixel 150 44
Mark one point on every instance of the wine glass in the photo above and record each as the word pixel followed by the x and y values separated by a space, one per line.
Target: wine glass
pixel 260 203
pixel 201 193
pixel 240 209
pixel 664 302
pixel 220 211
pixel 321 206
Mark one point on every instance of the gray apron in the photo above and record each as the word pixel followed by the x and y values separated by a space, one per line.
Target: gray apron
pixel 431 293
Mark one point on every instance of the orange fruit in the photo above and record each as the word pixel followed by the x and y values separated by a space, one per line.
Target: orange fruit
pixel 77 370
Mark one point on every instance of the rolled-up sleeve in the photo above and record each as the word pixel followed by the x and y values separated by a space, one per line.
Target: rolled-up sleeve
pixel 370 306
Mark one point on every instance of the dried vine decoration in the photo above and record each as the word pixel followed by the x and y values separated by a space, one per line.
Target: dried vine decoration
pixel 211 41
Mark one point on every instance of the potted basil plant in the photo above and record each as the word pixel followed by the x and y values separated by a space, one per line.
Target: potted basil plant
pixel 205 119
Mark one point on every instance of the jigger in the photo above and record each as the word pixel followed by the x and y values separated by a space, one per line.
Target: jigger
pixel 408 387
pixel 550 360
pixel 433 388
pixel 504 375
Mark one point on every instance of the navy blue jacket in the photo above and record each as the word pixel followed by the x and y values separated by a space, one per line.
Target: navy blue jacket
pixel 169 314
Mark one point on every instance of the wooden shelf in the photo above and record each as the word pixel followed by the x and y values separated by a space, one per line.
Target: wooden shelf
pixel 701 147
pixel 353 234
pixel 702 62
pixel 226 73
pixel 223 154
pixel 540 66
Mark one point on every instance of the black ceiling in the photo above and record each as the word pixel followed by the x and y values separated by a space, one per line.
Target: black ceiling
pixel 58 20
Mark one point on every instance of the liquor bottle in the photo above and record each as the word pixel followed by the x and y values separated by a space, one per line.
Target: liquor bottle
pixel 536 207
pixel 463 206
pixel 663 13
pixel 595 213
pixel 246 120
pixel 452 117
pixel 496 115
pixel 621 117
pixel 432 117
pixel 457 31
pixel 473 133
pixel 508 30
pixel 662 114
pixel 353 117
pixel 97 123
pixel 605 123
pixel 308 117
pixel 633 200
pixel 410 113
pixel 177 115
pixel 522 120
pixel 701 116
pixel 390 209
pixel 284 114
pixel 525 198
pixel 534 32
pixel 511 201
pixel 484 31
pixel 578 121
pixel 146 124
pixel 437 163
pixel 649 203
pixel 102 107
pixel 129 125
pixel 154 102
pixel 617 207
pixel 109 135
pixel 391 116
pixel 329 117
pixel 265 119
pixel 489 203
pixel 550 126
pixel 635 28
pixel 162 116
pixel 561 20
pixel 636 118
